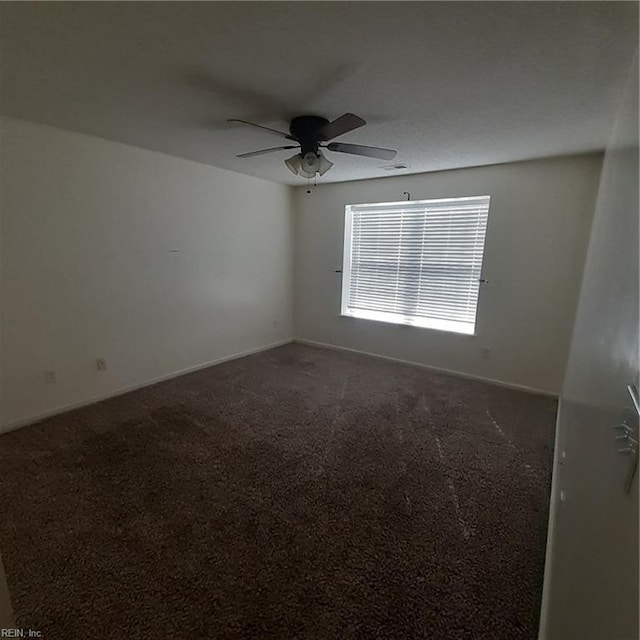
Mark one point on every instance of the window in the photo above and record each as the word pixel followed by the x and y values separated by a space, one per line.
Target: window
pixel 417 263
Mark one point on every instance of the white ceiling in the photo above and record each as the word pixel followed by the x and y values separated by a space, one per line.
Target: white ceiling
pixel 447 84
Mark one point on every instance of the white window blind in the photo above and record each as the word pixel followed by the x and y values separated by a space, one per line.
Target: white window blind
pixel 416 263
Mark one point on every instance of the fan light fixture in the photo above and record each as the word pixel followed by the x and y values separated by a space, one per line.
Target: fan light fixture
pixel 308 165
pixel 293 163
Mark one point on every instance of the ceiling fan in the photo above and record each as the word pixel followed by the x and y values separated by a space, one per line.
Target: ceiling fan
pixel 309 133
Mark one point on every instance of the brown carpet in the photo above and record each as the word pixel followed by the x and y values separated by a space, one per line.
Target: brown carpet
pixel 299 493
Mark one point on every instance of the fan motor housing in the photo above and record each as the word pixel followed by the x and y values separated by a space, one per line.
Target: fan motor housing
pixel 305 130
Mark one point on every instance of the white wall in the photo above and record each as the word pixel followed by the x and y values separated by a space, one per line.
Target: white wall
pixel 535 249
pixel 154 263
pixel 591 586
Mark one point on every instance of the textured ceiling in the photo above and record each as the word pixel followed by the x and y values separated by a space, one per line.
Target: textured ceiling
pixel 448 84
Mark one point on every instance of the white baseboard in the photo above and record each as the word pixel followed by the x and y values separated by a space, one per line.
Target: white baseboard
pixel 23 422
pixel 459 374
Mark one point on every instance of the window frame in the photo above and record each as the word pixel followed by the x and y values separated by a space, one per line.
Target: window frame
pixel 410 321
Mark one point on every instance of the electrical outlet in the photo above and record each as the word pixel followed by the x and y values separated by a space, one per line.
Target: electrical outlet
pixel 50 377
pixel 101 364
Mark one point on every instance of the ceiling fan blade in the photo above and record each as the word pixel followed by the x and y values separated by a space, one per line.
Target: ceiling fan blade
pixel 259 153
pixel 343 124
pixel 282 134
pixel 361 150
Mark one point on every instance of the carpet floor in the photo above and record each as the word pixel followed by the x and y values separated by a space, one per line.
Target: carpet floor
pixel 298 493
